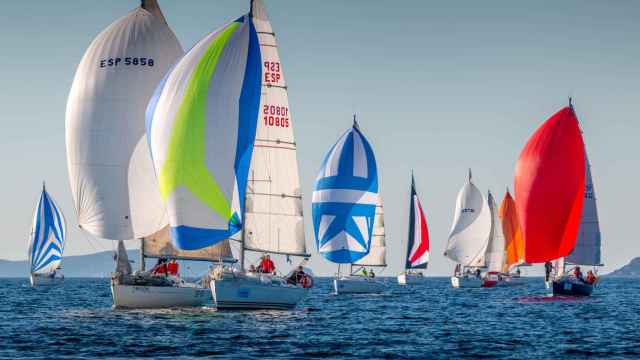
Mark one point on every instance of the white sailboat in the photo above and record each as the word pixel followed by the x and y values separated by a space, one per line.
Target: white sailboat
pixel 360 280
pixel 46 242
pixel 469 236
pixel 417 242
pixel 112 177
pixel 274 222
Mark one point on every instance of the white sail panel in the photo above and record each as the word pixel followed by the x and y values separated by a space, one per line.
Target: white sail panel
pixel 495 254
pixel 588 245
pixel 377 250
pixel 471 227
pixel 48 232
pixel 160 245
pixel 105 122
pixel 273 209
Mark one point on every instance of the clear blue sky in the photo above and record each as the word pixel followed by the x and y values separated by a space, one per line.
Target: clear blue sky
pixel 438 87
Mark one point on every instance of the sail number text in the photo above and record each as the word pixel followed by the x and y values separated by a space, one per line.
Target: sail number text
pixel 274 115
pixel 128 61
pixel 272 73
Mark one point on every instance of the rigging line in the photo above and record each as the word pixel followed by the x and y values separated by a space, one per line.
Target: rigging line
pixel 278 195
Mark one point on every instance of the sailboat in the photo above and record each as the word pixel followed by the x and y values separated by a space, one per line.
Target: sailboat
pixel 469 236
pixel 550 203
pixel 417 242
pixel 114 187
pixel 227 96
pixel 345 207
pixel 46 241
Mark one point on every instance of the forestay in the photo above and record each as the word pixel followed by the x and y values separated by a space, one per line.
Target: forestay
pixel 587 248
pixel 48 231
pixel 159 244
pixel 201 124
pixel 114 190
pixel 344 199
pixel 273 209
pixel 496 247
pixel 377 250
pixel 471 227
pixel 418 244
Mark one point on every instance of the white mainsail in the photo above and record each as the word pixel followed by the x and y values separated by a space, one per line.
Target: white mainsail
pixel 588 244
pixel 377 250
pixel 273 209
pixel 471 227
pixel 114 191
pixel 495 254
pixel 159 244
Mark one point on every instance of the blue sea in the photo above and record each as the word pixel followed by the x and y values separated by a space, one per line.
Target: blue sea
pixel 431 320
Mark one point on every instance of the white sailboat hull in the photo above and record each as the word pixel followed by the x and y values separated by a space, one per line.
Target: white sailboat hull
pixel 46 279
pixel 259 292
pixel 357 285
pixel 465 282
pixel 157 297
pixel 410 279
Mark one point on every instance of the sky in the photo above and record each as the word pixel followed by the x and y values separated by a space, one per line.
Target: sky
pixel 439 87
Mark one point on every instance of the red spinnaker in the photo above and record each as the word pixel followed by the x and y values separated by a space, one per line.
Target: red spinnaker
pixel 549 187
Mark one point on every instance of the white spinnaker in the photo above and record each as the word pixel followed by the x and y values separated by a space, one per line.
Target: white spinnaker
pixel 377 250
pixel 105 121
pixel 587 248
pixel 273 209
pixel 495 254
pixel 471 228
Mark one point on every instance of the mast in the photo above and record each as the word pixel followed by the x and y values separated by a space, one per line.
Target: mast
pixel 409 228
pixel 142 265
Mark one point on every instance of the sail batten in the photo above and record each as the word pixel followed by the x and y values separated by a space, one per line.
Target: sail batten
pixel 47 240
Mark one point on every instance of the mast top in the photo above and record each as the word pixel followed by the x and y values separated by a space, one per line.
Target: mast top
pixel 470 175
pixel 570 102
pixel 355 122
pixel 43 186
pixel 153 7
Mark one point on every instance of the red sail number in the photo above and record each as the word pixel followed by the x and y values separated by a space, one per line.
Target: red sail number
pixel 272 73
pixel 274 115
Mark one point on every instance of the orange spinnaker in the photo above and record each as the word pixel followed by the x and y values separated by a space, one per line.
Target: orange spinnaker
pixel 514 243
pixel 549 187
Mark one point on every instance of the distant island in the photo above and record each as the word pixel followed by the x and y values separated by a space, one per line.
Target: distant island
pixel 632 269
pixel 95 265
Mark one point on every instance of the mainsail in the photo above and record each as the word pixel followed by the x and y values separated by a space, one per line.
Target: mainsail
pixel 514 243
pixel 273 209
pixel 201 124
pixel 418 242
pixel 587 248
pixel 496 247
pixel 159 244
pixel 344 199
pixel 114 192
pixel 549 187
pixel 46 242
pixel 471 227
pixel 377 250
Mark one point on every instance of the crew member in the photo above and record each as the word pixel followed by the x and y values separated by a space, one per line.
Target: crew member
pixel 267 266
pixel 591 277
pixel 578 274
pixel 547 270
pixel 296 276
pixel 173 267
pixel 160 268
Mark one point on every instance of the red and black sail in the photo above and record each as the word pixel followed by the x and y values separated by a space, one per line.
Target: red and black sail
pixel 418 244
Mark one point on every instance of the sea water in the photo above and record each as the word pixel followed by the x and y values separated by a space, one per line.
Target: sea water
pixel 430 320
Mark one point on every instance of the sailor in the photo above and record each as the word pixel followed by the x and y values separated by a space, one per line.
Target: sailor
pixel 591 277
pixel 478 273
pixel 173 267
pixel 252 268
pixel 296 276
pixel 578 274
pixel 371 274
pixel 518 272
pixel 267 266
pixel 160 268
pixel 547 270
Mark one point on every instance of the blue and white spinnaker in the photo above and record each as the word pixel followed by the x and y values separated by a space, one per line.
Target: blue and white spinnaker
pixel 46 242
pixel 344 199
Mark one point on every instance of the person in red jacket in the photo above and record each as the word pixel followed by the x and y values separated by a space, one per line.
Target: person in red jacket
pixel 267 266
pixel 160 268
pixel 173 267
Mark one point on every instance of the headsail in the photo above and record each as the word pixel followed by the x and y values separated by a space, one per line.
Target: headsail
pixel 514 243
pixel 201 124
pixel 496 247
pixel 344 199
pixel 105 127
pixel 587 248
pixel 549 187
pixel 273 209
pixel 48 232
pixel 418 242
pixel 471 227
pixel 377 250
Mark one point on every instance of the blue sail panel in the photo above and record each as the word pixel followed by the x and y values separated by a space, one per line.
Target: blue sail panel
pixel 344 199
pixel 46 244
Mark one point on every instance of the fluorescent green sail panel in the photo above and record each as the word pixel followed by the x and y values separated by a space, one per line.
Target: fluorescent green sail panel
pixel 201 125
